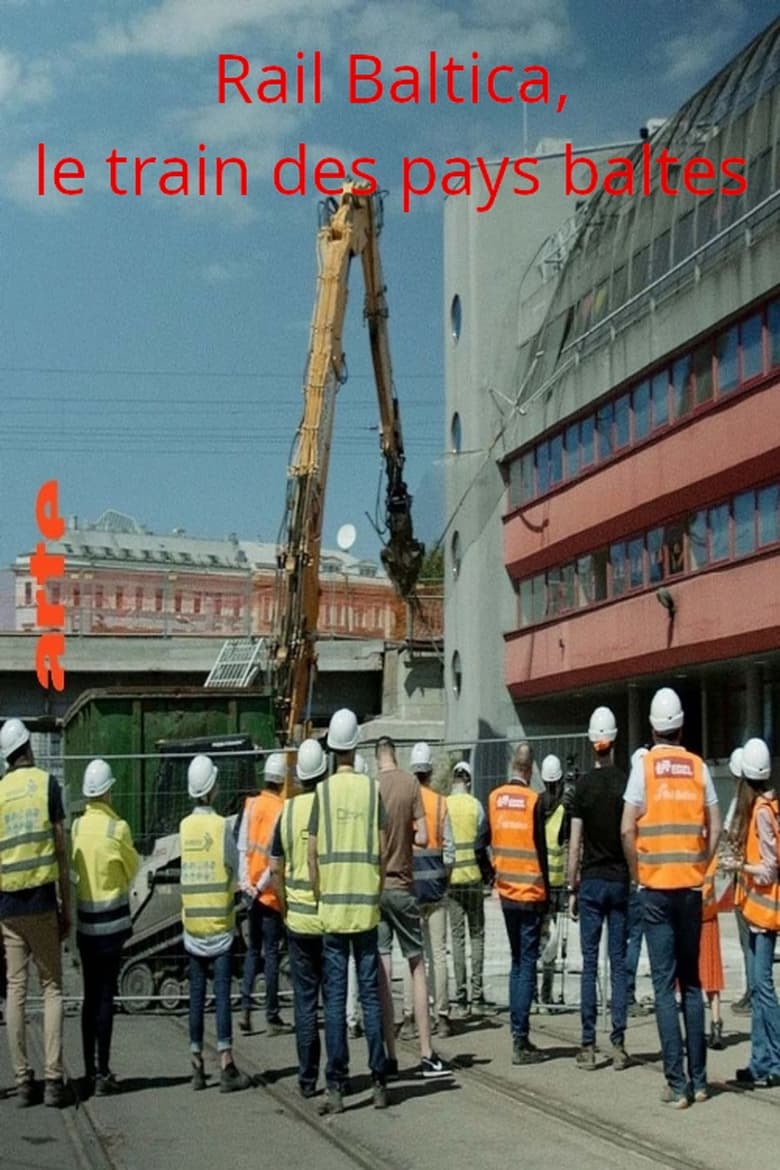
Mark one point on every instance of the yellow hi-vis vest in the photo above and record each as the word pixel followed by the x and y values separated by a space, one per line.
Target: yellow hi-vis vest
pixel 207 902
pixel 348 853
pixel 464 813
pixel 302 910
pixel 105 863
pixel 27 856
pixel 555 851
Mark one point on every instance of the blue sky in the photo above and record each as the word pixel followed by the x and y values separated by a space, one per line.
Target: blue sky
pixel 153 348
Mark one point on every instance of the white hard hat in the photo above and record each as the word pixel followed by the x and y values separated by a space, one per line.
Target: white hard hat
pixel 638 755
pixel 735 763
pixel 201 777
pixel 360 764
pixel 13 735
pixel 343 731
pixel 275 771
pixel 421 760
pixel 756 760
pixel 462 767
pixel 602 727
pixel 551 770
pixel 98 778
pixel 666 713
pixel 311 762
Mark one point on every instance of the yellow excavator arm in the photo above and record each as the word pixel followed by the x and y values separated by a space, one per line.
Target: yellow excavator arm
pixel 350 226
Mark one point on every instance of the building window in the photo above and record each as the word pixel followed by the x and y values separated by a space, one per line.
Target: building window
pixel 769 515
pixel 556 460
pixel 659 393
pixel 28 593
pixel 177 601
pixel 119 598
pixel 139 598
pixel 773 326
pixel 698 550
pixel 98 597
pixel 587 440
pixel 744 524
pixel 158 600
pixel 604 425
pixel 457 674
pixel 674 539
pixel 218 605
pixel 572 445
pixel 456 434
pixel 455 554
pixel 752 358
pixel 623 421
pixel 718 524
pixel 682 387
pixel 640 401
pixel 728 352
pixel 456 317
pixel 236 607
pixel 636 563
pixel 196 602
pixel 655 555
pixel 76 596
pixel 617 566
pixel 702 369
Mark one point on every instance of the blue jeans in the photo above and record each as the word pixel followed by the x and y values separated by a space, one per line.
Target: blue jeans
pixel 603 901
pixel 673 930
pixel 199 970
pixel 765 1021
pixel 524 930
pixel 306 965
pixel 266 931
pixel 335 954
pixel 636 932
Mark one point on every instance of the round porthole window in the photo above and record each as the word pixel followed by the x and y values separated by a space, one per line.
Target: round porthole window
pixel 456 317
pixel 457 674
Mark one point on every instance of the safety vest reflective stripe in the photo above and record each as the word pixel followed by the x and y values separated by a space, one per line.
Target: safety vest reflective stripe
pixel 519 876
pixel 348 853
pixel 464 811
pixel 303 915
pixel 760 905
pixel 263 812
pixel 27 855
pixel 430 872
pixel 671 847
pixel 208 907
pixel 101 864
pixel 555 851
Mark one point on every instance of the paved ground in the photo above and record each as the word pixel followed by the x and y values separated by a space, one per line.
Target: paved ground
pixel 490 1114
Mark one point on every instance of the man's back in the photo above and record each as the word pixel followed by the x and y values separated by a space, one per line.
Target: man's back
pixel 403 806
pixel 598 803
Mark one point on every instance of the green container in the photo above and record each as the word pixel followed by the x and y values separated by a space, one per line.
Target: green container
pixel 128 727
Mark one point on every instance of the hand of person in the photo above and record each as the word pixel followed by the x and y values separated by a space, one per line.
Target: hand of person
pixel 730 864
pixel 574 907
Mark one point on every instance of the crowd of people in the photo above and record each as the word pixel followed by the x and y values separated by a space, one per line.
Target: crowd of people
pixel 351 866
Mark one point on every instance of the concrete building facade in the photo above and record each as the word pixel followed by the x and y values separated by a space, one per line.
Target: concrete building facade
pixel 614 483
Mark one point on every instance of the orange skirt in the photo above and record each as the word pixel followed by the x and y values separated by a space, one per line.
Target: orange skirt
pixel 710 962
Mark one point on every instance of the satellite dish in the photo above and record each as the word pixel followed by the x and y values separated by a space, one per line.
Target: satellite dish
pixel 345 537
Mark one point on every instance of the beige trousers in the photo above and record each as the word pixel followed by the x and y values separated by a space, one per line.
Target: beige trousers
pixel 434 929
pixel 36 936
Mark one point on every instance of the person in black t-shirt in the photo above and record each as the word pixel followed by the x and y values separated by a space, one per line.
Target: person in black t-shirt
pixel 601 882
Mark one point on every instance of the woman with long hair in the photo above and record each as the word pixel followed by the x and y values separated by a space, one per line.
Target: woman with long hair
pixel 755 860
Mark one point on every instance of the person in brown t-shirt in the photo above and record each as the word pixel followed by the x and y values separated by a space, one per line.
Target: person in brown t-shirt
pixel 404 827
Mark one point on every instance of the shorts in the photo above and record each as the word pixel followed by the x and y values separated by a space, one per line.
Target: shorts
pixel 400 917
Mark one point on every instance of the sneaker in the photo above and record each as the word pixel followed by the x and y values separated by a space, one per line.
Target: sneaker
pixel 198 1075
pixel 408 1029
pixel 381 1099
pixel 742 1006
pixel 333 1102
pixel 391 1069
pixel 277 1027
pixel 586 1058
pixel 54 1093
pixel 744 1076
pixel 715 1041
pixel 676 1100
pixel 355 1031
pixel 636 1009
pixel 524 1052
pixel 433 1066
pixel 106 1086
pixel 701 1095
pixel 245 1022
pixel 232 1081
pixel 308 1091
pixel 26 1093
pixel 620 1059
pixel 461 1010
pixel 445 1027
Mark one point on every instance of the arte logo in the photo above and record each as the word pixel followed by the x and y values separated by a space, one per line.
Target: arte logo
pixel 46 566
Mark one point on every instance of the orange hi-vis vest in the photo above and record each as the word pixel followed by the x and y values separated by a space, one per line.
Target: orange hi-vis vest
pixel 671 844
pixel 430 874
pixel 263 812
pixel 760 905
pixel 519 874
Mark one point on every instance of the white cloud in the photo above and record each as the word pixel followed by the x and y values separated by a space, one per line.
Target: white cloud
pixel 697 53
pixel 20 184
pixel 24 83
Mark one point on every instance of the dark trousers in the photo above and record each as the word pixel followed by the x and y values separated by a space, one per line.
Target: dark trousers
pixel 100 967
pixel 524 931
pixel 266 931
pixel 336 952
pixel 306 964
pixel 603 901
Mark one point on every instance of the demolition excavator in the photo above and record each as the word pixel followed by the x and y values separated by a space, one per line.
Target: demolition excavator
pixel 350 226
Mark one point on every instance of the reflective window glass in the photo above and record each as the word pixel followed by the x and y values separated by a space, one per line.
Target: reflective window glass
pixel 674 539
pixel 572 449
pixel 600 561
pixel 605 430
pixel 769 515
pixel 622 420
pixel 527 476
pixel 542 468
pixel 744 524
pixel 697 540
pixel 773 324
pixel 617 563
pixel 727 351
pixel 641 404
pixel 556 459
pixel 659 393
pixel 750 336
pixel 636 563
pixel 587 430
pixel 683 237
pixel 655 555
pixel 702 369
pixel 682 390
pixel 718 523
